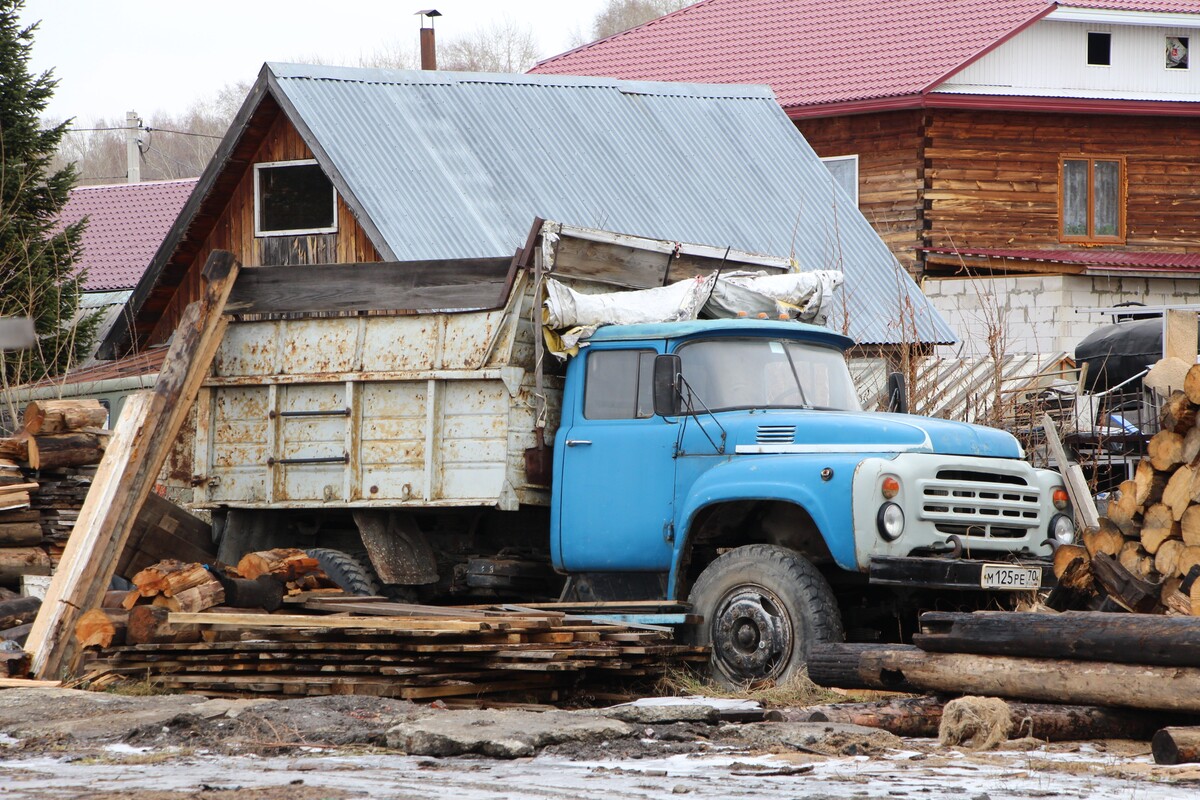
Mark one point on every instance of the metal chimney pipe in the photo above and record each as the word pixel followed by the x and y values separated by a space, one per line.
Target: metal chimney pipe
pixel 428 47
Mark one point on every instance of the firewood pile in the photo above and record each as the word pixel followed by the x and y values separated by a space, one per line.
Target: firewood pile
pixel 1145 555
pixel 43 482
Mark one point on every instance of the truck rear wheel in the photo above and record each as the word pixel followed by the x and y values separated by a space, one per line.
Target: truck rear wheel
pixel 763 606
pixel 346 571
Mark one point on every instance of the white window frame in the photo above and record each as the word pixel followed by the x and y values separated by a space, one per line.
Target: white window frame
pixel 1188 68
pixel 1086 48
pixel 854 158
pixel 300 162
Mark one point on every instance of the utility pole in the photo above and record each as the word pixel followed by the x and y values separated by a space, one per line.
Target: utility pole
pixel 133 156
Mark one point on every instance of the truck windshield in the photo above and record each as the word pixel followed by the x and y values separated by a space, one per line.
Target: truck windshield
pixel 726 374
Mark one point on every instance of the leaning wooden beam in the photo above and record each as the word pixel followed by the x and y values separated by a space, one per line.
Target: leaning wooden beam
pixel 1086 514
pixel 141 442
pixel 1087 635
pixel 1047 680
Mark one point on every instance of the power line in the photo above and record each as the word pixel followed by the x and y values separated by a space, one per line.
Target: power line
pixel 147 129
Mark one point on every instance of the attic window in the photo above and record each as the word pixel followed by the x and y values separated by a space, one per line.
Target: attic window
pixel 1177 52
pixel 844 170
pixel 293 198
pixel 1099 49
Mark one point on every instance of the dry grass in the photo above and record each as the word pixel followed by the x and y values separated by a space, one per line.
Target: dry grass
pixel 146 687
pixel 798 691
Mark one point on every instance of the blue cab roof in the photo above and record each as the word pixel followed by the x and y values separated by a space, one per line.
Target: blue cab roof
pixel 721 327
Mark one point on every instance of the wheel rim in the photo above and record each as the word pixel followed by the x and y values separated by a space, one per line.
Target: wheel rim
pixel 752 637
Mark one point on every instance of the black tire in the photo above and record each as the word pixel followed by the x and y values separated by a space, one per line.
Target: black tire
pixel 346 571
pixel 763 606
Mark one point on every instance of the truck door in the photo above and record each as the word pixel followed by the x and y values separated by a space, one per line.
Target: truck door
pixel 617 469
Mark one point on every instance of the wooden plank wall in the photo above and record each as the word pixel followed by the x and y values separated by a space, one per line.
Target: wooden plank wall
pixel 888 146
pixel 993 177
pixel 234 231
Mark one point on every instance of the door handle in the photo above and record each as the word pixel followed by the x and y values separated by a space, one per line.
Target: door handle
pixel 576 442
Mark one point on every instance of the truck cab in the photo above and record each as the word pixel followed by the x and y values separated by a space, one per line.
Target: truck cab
pixel 729 462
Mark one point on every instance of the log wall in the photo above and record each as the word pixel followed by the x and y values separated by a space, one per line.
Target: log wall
pixel 890 165
pixel 234 231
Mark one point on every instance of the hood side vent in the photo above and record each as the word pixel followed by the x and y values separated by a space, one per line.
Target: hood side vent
pixel 776 434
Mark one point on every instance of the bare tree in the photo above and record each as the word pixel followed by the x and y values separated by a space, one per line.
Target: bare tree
pixel 503 47
pixel 621 15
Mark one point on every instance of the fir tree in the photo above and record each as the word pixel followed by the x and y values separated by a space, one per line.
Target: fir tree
pixel 38 276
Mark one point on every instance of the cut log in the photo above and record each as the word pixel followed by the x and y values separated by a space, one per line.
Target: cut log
pixel 17 634
pixel 1134 558
pixel 194 598
pixel 59 416
pixel 153 579
pixel 65 450
pixel 1158 525
pixel 1189 559
pixel 14 664
pixel 15 447
pixel 191 576
pixel 1165 450
pixel 921 716
pixel 1122 586
pixel 1191 383
pixel 1082 635
pixel 285 563
pixel 18 534
pixel 14 500
pixel 1073 567
pixel 1166 560
pixel 1193 593
pixel 18 561
pixel 1123 510
pixel 841 665
pixel 18 611
pixel 1191 446
pixel 17 488
pixel 148 625
pixel 1189 525
pixel 1176 745
pixel 1150 482
pixel 1154 688
pixel 1105 539
pixel 1178 413
pixel 1178 493
pixel 101 628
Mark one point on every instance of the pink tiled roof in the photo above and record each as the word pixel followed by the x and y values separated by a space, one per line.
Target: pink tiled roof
pixel 816 52
pixel 1107 259
pixel 126 224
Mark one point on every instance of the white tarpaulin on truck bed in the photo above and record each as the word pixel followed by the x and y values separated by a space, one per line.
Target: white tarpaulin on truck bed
pixel 804 296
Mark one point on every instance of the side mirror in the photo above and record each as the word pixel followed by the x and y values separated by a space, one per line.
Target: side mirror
pixel 897 393
pixel 668 399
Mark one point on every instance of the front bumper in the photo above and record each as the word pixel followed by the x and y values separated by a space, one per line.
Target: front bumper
pixel 931 572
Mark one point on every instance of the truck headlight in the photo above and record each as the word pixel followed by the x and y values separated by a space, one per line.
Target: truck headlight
pixel 890 521
pixel 1062 529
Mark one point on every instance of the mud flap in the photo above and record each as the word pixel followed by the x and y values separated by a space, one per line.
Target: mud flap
pixel 398 549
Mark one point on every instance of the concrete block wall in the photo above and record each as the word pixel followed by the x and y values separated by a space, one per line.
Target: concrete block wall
pixel 1042 314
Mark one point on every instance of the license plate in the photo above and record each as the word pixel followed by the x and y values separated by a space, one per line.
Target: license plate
pixel 1003 576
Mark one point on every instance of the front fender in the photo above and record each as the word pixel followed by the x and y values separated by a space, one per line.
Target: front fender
pixel 791 479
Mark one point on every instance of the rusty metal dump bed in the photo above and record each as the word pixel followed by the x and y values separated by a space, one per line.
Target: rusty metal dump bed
pixel 423 410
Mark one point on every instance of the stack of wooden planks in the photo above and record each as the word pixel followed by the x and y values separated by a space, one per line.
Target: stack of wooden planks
pixel 16 617
pixel 1145 554
pixel 374 647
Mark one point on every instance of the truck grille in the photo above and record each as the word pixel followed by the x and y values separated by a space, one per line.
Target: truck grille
pixel 776 434
pixel 980 504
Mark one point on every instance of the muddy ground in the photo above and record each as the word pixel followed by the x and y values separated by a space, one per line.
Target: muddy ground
pixel 57 743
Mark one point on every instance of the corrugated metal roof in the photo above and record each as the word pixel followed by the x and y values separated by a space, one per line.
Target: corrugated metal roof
pixel 126 224
pixel 816 52
pixel 457 165
pixel 1117 259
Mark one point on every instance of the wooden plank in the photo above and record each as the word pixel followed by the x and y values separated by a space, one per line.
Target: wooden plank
pixel 469 283
pixel 131 464
pixel 339 622
pixel 1086 514
pixel 1179 336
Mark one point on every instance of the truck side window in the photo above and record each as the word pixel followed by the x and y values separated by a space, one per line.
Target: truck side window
pixel 620 384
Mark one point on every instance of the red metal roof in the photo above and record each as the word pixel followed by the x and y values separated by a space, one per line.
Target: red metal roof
pixel 1131 260
pixel 126 224
pixel 818 52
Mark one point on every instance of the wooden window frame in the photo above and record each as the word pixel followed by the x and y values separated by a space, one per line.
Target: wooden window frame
pixel 298 162
pixel 1122 196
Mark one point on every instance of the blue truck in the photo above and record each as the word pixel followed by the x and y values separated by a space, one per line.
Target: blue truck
pixel 726 463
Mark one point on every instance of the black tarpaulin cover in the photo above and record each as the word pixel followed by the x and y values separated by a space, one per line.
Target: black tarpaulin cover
pixel 1117 352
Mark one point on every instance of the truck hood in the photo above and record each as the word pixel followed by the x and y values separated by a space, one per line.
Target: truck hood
pixel 844 431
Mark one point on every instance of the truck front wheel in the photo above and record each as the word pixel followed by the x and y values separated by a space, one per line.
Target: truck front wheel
pixel 763 606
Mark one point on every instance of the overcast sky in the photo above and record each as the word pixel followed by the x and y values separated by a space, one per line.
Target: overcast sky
pixel 112 56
